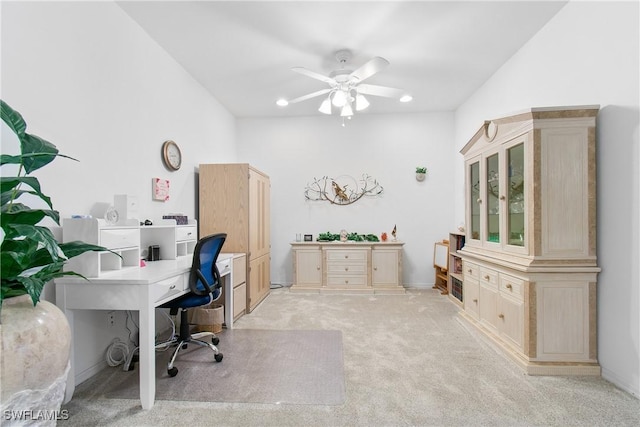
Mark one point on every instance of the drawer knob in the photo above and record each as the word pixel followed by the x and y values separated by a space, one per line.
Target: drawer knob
pixel 479 200
pixel 318 267
pixel 487 277
pixel 172 287
pixel 346 282
pixel 475 300
pixel 501 316
pixel 503 198
pixel 375 268
pixel 346 269
pixel 509 286
pixel 469 271
pixel 346 256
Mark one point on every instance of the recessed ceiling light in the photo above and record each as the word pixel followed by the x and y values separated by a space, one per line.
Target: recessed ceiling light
pixel 282 102
pixel 406 98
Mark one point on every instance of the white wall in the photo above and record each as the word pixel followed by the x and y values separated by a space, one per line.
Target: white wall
pixel 588 54
pixel 87 78
pixel 294 151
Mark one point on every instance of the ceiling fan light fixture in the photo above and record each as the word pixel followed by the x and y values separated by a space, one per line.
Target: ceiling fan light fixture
pixel 406 98
pixel 282 102
pixel 325 107
pixel 347 111
pixel 339 98
pixel 361 102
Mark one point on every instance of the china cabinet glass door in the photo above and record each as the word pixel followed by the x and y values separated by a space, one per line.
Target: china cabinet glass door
pixel 493 200
pixel 474 202
pixel 515 202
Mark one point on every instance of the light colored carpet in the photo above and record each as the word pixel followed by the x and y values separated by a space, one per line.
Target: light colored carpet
pixel 409 360
pixel 259 366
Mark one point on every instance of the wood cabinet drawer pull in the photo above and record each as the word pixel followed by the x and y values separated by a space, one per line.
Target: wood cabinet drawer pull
pixel 475 300
pixel 375 268
pixel 346 256
pixel 479 200
pixel 346 282
pixel 318 267
pixel 346 269
pixel 503 198
pixel 509 286
pixel 469 271
pixel 501 316
pixel 487 277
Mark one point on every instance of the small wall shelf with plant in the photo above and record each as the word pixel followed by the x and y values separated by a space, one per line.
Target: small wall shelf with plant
pixel 421 173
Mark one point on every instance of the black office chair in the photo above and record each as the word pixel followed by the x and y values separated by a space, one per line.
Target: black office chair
pixel 205 287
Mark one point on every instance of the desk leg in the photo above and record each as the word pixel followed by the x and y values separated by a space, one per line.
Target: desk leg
pixel 71 376
pixel 147 363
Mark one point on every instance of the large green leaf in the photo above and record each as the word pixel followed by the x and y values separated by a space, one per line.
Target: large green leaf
pixel 42 235
pixel 13 119
pixel 11 184
pixel 6 159
pixel 27 216
pixel 75 248
pixel 32 144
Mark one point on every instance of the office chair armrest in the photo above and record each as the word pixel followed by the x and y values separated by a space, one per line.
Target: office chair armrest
pixel 209 288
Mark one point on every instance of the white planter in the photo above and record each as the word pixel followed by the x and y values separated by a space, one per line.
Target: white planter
pixel 36 344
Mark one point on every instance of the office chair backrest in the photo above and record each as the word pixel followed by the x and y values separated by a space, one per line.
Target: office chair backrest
pixel 204 278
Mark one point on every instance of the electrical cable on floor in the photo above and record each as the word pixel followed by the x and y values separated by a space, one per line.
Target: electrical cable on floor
pixel 117 353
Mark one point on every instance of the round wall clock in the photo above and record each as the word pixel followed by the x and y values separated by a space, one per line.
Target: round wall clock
pixel 171 155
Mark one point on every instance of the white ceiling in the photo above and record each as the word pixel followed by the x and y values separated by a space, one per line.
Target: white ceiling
pixel 243 52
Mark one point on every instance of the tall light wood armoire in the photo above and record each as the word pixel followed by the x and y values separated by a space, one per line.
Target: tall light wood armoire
pixel 234 199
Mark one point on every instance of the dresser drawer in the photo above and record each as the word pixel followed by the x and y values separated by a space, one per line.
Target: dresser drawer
pixel 346 269
pixel 118 238
pixel 186 233
pixel 489 277
pixel 346 280
pixel 471 270
pixel 165 289
pixel 239 270
pixel 512 286
pixel 352 256
pixel 224 266
pixel 239 300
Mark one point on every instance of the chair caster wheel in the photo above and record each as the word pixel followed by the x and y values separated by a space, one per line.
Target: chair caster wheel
pixel 172 372
pixel 184 346
pixel 215 340
pixel 218 357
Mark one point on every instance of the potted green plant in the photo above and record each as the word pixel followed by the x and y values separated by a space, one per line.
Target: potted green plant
pixel 35 334
pixel 421 172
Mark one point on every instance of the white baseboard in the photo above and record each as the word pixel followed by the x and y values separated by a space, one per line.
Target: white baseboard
pixel 632 389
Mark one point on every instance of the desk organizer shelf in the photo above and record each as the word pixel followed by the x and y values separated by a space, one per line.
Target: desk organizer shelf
pixel 174 240
pixel 128 240
pixel 123 240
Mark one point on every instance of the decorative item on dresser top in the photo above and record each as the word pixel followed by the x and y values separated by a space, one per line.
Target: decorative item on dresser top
pixel 334 266
pixel 529 258
pixel 35 334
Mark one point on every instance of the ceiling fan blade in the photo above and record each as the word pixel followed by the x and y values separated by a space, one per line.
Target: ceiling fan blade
pixel 375 90
pixel 309 96
pixel 314 75
pixel 374 65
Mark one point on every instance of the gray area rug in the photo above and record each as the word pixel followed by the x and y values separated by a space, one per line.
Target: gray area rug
pixel 259 366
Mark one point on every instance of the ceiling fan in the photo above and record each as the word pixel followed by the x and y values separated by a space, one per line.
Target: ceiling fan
pixel 346 88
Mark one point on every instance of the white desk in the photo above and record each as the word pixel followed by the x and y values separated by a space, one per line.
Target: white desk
pixel 141 289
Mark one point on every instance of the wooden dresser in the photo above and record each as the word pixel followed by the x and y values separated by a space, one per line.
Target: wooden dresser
pixel 367 267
